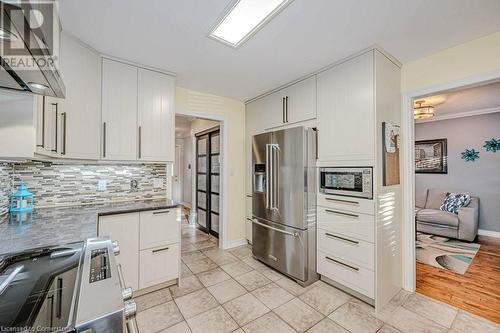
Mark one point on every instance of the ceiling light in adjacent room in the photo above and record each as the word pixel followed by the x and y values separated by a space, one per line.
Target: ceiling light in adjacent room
pixel 244 18
pixel 422 111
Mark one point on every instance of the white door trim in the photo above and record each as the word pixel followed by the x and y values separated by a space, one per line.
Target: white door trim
pixel 223 243
pixel 408 136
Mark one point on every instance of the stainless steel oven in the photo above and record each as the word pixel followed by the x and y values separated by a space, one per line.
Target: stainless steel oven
pixel 350 182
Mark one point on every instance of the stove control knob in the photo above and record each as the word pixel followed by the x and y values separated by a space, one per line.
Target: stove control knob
pixel 129 309
pixel 116 248
pixel 126 293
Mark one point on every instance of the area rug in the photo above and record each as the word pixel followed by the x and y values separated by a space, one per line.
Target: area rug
pixel 445 253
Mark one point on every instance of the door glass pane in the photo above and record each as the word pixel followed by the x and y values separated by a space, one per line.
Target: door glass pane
pixel 215 144
pixel 215 187
pixel 202 146
pixel 202 164
pixel 215 160
pixel 214 222
pixel 202 182
pixel 202 218
pixel 214 204
pixel 202 200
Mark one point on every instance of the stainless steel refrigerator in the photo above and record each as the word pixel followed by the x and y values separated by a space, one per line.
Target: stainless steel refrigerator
pixel 284 202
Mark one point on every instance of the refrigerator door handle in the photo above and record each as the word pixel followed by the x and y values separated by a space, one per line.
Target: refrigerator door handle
pixel 294 234
pixel 269 180
pixel 276 178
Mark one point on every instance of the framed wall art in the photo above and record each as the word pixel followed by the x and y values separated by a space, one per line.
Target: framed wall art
pixel 431 156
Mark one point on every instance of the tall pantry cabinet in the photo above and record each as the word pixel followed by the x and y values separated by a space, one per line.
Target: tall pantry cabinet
pixel 138 113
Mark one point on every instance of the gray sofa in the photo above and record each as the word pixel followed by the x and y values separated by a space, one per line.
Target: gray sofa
pixel 431 220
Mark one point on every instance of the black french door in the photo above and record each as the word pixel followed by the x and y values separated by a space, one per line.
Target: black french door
pixel 208 181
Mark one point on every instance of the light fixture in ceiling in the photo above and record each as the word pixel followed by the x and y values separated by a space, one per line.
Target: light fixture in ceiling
pixel 422 111
pixel 244 18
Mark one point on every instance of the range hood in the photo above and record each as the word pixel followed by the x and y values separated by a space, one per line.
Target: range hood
pixel 27 60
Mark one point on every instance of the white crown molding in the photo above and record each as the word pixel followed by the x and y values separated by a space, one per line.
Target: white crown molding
pixel 459 115
pixel 489 233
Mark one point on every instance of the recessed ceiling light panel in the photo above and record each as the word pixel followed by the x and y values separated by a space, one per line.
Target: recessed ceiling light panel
pixel 244 18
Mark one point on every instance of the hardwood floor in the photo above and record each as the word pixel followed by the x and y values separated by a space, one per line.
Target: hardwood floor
pixel 477 291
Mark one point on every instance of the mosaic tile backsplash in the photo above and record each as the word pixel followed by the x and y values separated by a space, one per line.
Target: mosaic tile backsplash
pixel 73 184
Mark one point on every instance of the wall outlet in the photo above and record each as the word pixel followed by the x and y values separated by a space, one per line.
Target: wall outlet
pixel 157 183
pixel 102 185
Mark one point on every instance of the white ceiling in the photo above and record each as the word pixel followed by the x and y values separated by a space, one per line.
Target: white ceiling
pixel 466 100
pixel 307 35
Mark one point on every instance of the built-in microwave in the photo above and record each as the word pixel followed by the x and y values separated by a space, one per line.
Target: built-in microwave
pixel 350 182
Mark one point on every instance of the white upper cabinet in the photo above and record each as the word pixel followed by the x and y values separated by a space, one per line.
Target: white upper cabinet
pixel 290 105
pixel 300 101
pixel 70 127
pixel 119 111
pixel 17 127
pixel 156 116
pixel 346 111
pixel 80 112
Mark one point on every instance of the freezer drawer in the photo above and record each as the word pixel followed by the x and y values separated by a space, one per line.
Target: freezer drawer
pixel 282 248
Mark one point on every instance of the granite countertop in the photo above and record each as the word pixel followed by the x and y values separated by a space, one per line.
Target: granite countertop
pixel 59 225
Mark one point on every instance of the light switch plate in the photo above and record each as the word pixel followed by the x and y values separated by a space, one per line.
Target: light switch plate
pixel 102 185
pixel 157 183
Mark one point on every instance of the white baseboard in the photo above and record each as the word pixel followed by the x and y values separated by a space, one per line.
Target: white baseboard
pixel 235 243
pixel 489 233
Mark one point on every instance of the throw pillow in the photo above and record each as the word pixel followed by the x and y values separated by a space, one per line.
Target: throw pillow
pixel 454 201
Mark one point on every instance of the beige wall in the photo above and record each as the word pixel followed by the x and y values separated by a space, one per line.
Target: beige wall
pixel 232 112
pixel 473 58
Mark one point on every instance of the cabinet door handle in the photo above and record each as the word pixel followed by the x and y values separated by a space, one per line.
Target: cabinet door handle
pixel 283 111
pixel 65 123
pixel 286 109
pixel 59 297
pixel 341 213
pixel 161 212
pixel 160 249
pixel 104 139
pixel 57 123
pixel 342 264
pixel 42 145
pixel 140 141
pixel 341 238
pixel 343 201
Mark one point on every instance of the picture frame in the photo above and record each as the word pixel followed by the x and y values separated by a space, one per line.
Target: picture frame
pixel 431 156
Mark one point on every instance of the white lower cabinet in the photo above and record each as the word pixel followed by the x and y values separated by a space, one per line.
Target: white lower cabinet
pixel 158 265
pixel 346 242
pixel 349 274
pixel 149 245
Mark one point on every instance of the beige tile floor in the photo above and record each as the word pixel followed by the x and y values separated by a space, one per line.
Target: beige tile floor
pixel 228 291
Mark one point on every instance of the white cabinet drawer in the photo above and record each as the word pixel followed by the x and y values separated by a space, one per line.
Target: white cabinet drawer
pixel 159 227
pixel 356 251
pixel 357 205
pixel 159 264
pixel 358 226
pixel 346 273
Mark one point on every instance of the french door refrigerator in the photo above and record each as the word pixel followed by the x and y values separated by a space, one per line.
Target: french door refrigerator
pixel 284 202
